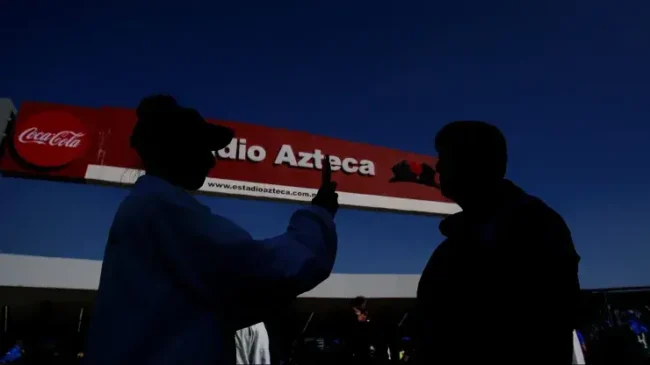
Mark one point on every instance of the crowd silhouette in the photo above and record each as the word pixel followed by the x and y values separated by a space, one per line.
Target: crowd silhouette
pixel 611 332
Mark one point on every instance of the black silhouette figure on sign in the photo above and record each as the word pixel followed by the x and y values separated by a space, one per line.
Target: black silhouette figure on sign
pixel 414 172
pixel 506 257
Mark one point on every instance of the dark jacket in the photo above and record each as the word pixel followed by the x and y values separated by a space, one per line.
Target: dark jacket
pixel 504 289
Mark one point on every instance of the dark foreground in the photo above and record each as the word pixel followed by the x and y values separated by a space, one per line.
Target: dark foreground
pixel 42 326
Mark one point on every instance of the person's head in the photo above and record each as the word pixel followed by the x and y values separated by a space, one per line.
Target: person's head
pixel 472 158
pixel 359 306
pixel 176 143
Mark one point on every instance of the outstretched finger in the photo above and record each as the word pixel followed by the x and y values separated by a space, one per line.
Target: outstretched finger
pixel 326 176
pixel 333 185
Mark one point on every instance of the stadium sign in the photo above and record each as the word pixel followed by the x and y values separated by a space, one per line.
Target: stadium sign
pixel 53 141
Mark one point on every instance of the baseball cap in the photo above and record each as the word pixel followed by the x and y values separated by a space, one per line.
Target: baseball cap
pixel 161 120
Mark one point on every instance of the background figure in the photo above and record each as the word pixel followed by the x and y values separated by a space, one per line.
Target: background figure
pixel 367 341
pixel 252 344
pixel 578 354
pixel 639 328
pixel 506 255
pixel 616 345
pixel 14 355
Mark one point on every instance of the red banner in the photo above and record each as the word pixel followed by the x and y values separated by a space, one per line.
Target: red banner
pixel 58 141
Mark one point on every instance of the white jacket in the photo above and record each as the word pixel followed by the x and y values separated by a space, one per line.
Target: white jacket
pixel 578 356
pixel 252 345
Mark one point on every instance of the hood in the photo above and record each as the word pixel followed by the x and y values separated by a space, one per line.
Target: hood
pixel 458 224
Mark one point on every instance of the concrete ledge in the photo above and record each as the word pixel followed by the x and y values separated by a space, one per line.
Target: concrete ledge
pixel 64 273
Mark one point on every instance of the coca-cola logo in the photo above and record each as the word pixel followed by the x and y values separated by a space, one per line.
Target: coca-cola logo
pixel 51 139
pixel 67 139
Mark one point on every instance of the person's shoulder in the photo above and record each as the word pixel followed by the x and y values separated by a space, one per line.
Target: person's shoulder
pixel 259 330
pixel 547 226
pixel 140 210
pixel 538 214
pixel 247 332
pixel 156 203
pixel 138 207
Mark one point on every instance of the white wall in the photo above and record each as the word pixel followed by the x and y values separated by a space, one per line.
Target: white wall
pixel 62 273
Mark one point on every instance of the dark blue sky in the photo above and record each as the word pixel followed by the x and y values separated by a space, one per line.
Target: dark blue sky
pixel 567 81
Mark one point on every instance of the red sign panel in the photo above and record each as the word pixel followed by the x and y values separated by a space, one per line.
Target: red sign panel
pixel 55 141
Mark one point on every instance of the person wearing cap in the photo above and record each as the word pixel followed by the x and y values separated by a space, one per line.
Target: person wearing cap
pixel 505 256
pixel 177 281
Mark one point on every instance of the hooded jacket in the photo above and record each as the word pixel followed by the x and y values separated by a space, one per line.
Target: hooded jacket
pixel 177 282
pixel 503 289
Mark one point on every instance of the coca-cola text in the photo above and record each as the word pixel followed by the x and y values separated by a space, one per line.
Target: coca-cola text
pixel 67 139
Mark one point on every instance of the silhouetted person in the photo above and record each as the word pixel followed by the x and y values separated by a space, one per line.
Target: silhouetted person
pixel 506 257
pixel 177 282
pixel 366 341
